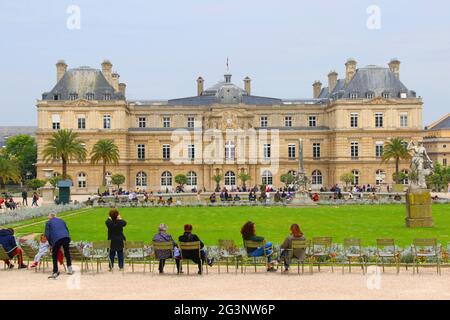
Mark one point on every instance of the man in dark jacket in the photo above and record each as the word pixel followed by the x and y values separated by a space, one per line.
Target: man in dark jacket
pixel 24 197
pixel 188 236
pixel 58 236
pixel 8 242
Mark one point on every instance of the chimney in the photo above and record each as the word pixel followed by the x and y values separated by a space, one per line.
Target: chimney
pixel 200 83
pixel 61 68
pixel 122 87
pixel 350 70
pixel 107 70
pixel 332 81
pixel 394 65
pixel 317 87
pixel 115 81
pixel 247 85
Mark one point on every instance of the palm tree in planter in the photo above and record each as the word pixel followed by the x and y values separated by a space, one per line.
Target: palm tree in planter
pixel 181 179
pixel 396 150
pixel 64 145
pixel 244 177
pixel 217 178
pixel 107 152
pixel 9 172
pixel 118 179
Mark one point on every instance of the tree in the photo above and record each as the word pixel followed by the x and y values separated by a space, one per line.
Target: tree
pixel 217 178
pixel 118 179
pixel 23 148
pixel 395 149
pixel 440 177
pixel 57 178
pixel 181 179
pixel 64 145
pixel 107 152
pixel 287 178
pixel 9 172
pixel 347 178
pixel 244 177
pixel 35 184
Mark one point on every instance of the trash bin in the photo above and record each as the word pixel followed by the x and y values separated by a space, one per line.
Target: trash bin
pixel 64 191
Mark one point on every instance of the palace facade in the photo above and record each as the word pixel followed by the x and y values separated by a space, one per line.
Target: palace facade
pixel 226 130
pixel 437 140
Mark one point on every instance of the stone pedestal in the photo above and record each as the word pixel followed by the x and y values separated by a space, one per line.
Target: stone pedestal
pixel 418 208
pixel 48 193
pixel 302 199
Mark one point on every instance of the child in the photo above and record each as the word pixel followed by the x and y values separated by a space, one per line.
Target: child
pixel 44 249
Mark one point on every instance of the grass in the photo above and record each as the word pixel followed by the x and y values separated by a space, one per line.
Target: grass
pixel 213 223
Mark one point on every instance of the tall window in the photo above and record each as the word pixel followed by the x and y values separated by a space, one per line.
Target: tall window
pixel 380 175
pixel 166 122
pixel 56 122
pixel 403 120
pixel 142 122
pixel 141 179
pixel 353 120
pixel 267 151
pixel 354 149
pixel 166 151
pixel 316 177
pixel 263 122
pixel 379 149
pixel 141 151
pixel 378 120
pixel 406 173
pixel 230 150
pixel 230 178
pixel 82 180
pixel 166 178
pixel 191 151
pixel 316 150
pixel 444 162
pixel 81 122
pixel 190 122
pixel 291 151
pixel 267 178
pixel 106 121
pixel 312 121
pixel 355 177
pixel 288 121
pixel 191 178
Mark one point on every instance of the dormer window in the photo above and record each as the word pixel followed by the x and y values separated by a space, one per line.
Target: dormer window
pixel 369 95
pixel 354 95
pixel 73 96
pixel 386 95
pixel 403 95
pixel 56 97
pixel 89 96
pixel 107 96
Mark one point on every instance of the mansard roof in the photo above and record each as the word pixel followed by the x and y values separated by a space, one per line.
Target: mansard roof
pixel 443 123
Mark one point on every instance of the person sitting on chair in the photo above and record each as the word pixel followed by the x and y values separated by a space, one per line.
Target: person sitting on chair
pixel 248 232
pixel 286 254
pixel 162 255
pixel 188 236
pixel 8 242
pixel 212 197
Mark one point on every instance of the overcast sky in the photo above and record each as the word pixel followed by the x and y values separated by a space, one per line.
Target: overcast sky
pixel 159 48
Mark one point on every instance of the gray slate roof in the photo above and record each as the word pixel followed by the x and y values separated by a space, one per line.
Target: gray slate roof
pixel 443 124
pixel 370 79
pixel 81 81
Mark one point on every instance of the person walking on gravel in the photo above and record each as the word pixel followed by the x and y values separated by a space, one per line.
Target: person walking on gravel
pixel 58 236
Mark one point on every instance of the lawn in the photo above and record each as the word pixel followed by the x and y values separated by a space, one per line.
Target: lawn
pixel 213 223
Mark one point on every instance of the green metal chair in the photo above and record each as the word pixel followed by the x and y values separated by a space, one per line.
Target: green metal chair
pixel 354 251
pixel 77 255
pixel 250 245
pixel 228 251
pixel 30 253
pixel 160 246
pixel 301 245
pixel 321 248
pixel 386 249
pixel 99 251
pixel 426 249
pixel 194 246
pixel 134 250
pixel 4 256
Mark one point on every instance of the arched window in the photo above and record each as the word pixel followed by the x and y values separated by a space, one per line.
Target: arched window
pixel 230 150
pixel 316 177
pixel 230 178
pixel 267 178
pixel 380 175
pixel 166 178
pixel 406 180
pixel 82 180
pixel 141 179
pixel 191 178
pixel 355 177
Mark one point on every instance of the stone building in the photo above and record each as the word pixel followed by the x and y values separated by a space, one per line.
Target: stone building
pixel 437 140
pixel 226 130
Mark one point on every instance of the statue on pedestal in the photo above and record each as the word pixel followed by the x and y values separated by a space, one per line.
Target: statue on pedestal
pixel 421 164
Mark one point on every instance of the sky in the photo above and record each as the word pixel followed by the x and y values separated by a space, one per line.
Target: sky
pixel 159 48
